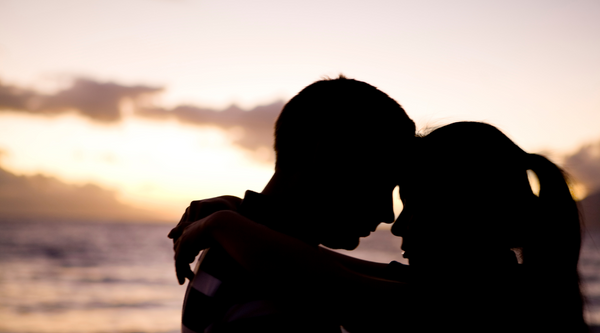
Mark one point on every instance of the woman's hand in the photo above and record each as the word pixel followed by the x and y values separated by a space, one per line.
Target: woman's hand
pixel 200 209
pixel 194 238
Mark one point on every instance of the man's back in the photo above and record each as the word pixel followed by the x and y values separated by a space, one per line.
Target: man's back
pixel 224 297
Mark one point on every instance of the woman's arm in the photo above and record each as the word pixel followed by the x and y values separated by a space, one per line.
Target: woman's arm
pixel 202 208
pixel 294 269
pixel 365 267
pixel 199 209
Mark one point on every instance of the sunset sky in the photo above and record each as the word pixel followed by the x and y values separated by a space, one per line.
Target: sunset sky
pixel 128 104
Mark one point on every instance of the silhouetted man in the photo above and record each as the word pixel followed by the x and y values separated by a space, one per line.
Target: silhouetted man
pixel 337 147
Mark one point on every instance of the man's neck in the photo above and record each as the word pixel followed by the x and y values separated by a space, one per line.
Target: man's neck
pixel 274 186
pixel 284 190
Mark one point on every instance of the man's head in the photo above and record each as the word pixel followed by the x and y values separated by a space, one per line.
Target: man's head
pixel 344 139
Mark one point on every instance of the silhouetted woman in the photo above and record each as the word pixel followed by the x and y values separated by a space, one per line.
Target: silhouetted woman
pixel 486 254
pixel 470 217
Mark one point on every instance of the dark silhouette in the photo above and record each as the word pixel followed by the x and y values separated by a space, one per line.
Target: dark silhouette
pixel 485 253
pixel 470 217
pixel 334 137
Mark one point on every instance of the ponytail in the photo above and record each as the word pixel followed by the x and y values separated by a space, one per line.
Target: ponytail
pixel 553 253
pixel 559 222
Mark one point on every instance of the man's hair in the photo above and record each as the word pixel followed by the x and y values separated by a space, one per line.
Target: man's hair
pixel 339 121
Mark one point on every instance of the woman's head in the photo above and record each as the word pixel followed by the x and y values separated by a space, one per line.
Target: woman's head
pixel 467 203
pixel 469 190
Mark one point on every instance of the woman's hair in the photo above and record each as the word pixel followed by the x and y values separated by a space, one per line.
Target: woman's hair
pixel 476 195
pixel 554 246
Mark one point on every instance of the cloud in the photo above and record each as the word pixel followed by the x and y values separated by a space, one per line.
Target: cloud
pixel 46 197
pixel 99 101
pixel 584 166
pixel 250 129
pixel 14 98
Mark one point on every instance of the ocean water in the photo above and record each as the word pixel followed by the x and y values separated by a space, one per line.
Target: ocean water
pixel 101 277
pixel 87 277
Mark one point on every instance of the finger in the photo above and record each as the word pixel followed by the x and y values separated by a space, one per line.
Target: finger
pixel 180 269
pixel 189 274
pixel 177 231
pixel 196 209
pixel 185 214
pixel 172 233
pixel 183 271
pixel 184 255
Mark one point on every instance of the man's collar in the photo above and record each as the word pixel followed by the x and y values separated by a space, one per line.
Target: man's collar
pixel 277 214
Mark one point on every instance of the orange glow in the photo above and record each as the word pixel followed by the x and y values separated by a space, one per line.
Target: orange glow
pixel 154 165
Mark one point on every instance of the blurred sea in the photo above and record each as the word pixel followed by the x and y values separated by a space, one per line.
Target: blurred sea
pixel 107 277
